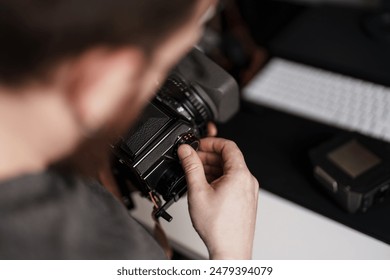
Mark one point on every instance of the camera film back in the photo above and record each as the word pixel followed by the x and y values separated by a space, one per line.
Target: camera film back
pixel 353 158
pixel 354 170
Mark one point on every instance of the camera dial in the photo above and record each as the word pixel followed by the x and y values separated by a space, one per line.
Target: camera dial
pixel 188 138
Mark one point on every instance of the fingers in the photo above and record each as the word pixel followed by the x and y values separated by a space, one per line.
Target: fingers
pixel 232 158
pixel 211 129
pixel 212 173
pixel 193 168
pixel 211 159
pixel 215 158
pixel 217 215
pixel 212 165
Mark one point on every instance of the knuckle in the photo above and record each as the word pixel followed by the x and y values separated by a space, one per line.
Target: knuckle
pixel 255 182
pixel 252 183
pixel 230 144
pixel 244 169
pixel 191 167
pixel 256 187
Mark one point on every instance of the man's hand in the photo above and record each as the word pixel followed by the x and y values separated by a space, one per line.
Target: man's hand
pixel 107 179
pixel 222 196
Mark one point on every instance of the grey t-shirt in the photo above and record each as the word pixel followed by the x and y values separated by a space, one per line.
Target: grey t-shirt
pixel 53 216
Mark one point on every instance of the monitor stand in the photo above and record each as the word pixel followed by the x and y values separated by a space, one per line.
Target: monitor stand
pixel 346 40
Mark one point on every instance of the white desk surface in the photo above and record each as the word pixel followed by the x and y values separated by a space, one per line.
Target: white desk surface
pixel 284 230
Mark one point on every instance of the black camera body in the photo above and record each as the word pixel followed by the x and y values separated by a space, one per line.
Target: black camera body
pixel 196 92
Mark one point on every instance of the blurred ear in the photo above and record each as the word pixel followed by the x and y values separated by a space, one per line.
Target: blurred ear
pixel 100 80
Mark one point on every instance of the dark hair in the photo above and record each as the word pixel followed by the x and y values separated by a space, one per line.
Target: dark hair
pixel 36 34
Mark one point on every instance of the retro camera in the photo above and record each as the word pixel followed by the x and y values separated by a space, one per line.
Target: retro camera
pixel 196 92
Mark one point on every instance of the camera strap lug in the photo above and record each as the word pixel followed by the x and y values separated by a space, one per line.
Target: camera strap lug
pixel 158 231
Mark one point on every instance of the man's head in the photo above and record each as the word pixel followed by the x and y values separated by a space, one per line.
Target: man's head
pixel 88 66
pixel 37 34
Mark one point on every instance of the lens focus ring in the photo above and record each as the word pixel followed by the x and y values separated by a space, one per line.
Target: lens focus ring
pixel 198 106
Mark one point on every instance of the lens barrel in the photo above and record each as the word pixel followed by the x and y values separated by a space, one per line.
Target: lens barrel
pixel 186 101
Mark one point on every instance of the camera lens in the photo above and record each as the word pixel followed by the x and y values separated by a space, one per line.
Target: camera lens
pixel 185 99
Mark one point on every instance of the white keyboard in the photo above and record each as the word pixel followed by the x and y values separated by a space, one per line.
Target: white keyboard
pixel 323 96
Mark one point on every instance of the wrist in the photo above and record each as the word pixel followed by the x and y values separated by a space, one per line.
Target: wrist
pixel 231 255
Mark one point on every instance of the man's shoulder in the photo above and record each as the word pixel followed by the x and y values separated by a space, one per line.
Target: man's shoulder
pixel 52 215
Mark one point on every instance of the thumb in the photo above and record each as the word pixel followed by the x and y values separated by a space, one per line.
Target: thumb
pixel 193 168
